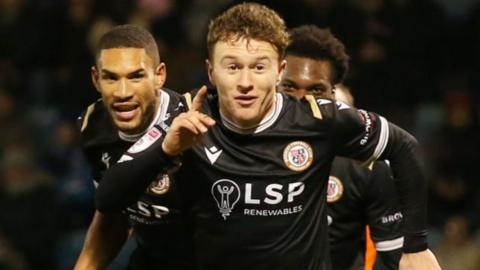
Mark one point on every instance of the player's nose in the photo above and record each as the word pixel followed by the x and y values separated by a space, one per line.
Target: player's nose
pixel 245 82
pixel 300 93
pixel 122 91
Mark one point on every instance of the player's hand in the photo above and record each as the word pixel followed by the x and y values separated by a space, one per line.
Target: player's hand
pixel 423 260
pixel 188 128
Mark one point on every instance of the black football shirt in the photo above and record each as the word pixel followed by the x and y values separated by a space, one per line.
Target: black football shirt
pixel 358 196
pixel 162 238
pixel 258 195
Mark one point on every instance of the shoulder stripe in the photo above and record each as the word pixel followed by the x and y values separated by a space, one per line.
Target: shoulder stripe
pixel 87 116
pixel 370 166
pixel 314 106
pixel 188 99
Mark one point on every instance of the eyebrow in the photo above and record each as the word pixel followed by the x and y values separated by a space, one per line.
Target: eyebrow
pixel 286 80
pixel 292 82
pixel 228 57
pixel 323 84
pixel 108 72
pixel 232 57
pixel 261 58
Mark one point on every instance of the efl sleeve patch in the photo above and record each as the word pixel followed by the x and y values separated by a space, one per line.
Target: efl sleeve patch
pixel 145 141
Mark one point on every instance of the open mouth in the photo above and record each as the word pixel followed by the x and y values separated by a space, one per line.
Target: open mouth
pixel 125 111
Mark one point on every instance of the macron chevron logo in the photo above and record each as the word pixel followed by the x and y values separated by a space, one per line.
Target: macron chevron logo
pixel 342 106
pixel 212 153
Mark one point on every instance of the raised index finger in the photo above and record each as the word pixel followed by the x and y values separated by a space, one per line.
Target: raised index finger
pixel 198 99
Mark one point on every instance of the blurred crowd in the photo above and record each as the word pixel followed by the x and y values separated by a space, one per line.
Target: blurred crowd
pixel 417 62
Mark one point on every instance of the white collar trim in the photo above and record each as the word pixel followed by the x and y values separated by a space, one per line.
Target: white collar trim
pixel 266 122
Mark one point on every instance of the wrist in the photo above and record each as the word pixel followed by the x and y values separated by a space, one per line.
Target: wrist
pixel 170 159
pixel 415 242
pixel 167 151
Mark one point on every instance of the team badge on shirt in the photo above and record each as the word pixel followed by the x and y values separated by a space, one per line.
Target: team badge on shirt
pixel 334 189
pixel 298 156
pixel 161 185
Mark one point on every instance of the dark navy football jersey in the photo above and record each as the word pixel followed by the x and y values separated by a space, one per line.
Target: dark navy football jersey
pixel 156 218
pixel 258 195
pixel 358 196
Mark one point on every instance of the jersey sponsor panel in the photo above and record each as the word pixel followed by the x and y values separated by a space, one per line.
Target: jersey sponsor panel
pixel 227 193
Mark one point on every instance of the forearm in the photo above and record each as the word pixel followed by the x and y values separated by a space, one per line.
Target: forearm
pixel 124 182
pixel 403 153
pixel 105 237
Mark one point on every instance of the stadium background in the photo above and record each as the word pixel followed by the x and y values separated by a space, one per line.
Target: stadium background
pixel 414 61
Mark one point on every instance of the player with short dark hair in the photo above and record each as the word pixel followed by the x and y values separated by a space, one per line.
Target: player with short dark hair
pixel 129 36
pixel 309 42
pixel 130 77
pixel 255 163
pixel 356 196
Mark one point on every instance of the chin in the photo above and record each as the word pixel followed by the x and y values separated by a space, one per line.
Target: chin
pixel 127 127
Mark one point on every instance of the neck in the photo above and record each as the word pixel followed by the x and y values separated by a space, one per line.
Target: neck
pixel 253 123
pixel 153 112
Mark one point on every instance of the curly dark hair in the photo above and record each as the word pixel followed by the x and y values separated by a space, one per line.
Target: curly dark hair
pixel 316 43
pixel 129 36
pixel 249 21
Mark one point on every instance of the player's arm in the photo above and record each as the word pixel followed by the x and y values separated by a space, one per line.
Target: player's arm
pixel 384 216
pixel 106 233
pixel 123 183
pixel 366 136
pixel 105 237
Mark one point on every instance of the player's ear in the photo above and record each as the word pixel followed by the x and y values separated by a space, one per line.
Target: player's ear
pixel 95 77
pixel 209 67
pixel 160 75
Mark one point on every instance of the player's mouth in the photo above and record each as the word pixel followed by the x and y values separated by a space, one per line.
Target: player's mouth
pixel 245 100
pixel 125 111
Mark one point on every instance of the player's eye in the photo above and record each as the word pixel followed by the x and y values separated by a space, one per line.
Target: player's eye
pixel 287 87
pixel 259 67
pixel 136 76
pixel 232 67
pixel 320 90
pixel 109 77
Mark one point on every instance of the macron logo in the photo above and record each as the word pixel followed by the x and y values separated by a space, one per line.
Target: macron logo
pixel 106 159
pixel 212 153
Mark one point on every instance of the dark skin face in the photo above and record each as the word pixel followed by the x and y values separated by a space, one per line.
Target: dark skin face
pixel 128 80
pixel 306 76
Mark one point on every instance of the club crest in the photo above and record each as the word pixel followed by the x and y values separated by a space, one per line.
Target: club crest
pixel 161 185
pixel 298 156
pixel 334 189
